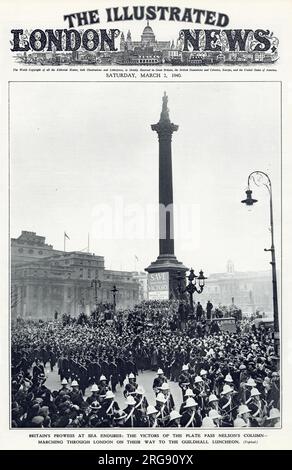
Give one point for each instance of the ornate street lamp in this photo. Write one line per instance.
(196, 284)
(114, 290)
(261, 178)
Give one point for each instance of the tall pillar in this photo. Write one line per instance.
(164, 272)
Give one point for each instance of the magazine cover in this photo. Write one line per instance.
(146, 230)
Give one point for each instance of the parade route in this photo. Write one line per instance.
(144, 379)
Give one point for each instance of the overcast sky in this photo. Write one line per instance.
(77, 148)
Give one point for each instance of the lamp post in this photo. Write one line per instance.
(261, 178)
(114, 290)
(196, 284)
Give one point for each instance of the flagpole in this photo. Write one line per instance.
(64, 241)
(88, 242)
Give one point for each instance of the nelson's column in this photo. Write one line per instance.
(164, 273)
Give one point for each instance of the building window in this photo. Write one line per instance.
(30, 251)
(20, 250)
(41, 252)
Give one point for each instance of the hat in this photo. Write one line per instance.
(239, 423)
(242, 367)
(274, 413)
(189, 392)
(109, 394)
(131, 375)
(190, 402)
(185, 367)
(160, 371)
(95, 405)
(161, 398)
(214, 414)
(74, 383)
(203, 372)
(243, 409)
(64, 382)
(140, 390)
(251, 382)
(208, 423)
(213, 397)
(151, 410)
(174, 415)
(102, 377)
(37, 420)
(164, 386)
(254, 392)
(226, 389)
(94, 388)
(228, 378)
(130, 400)
(198, 379)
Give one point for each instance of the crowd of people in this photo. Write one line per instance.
(227, 379)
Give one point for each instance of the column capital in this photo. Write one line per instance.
(164, 129)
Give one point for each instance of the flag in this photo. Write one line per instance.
(136, 258)
(66, 236)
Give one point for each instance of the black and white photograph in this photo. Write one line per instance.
(145, 254)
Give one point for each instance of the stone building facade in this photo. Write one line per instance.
(250, 291)
(45, 281)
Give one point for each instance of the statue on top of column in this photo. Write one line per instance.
(165, 111)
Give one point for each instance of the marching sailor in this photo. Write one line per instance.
(131, 386)
(141, 400)
(243, 417)
(184, 378)
(216, 417)
(159, 380)
(169, 404)
(273, 420)
(190, 417)
(163, 415)
(174, 419)
(188, 393)
(94, 394)
(131, 413)
(152, 413)
(227, 405)
(257, 408)
(109, 409)
(103, 385)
